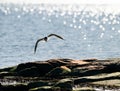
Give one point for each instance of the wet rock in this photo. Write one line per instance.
(38, 84)
(44, 88)
(59, 71)
(65, 84)
(29, 72)
(112, 67)
(2, 74)
(84, 89)
(86, 71)
(1, 87)
(17, 87)
(41, 67)
(6, 69)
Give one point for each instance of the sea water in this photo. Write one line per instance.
(89, 31)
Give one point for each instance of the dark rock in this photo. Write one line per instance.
(6, 69)
(2, 74)
(44, 88)
(65, 84)
(92, 68)
(41, 67)
(29, 72)
(18, 87)
(38, 84)
(1, 87)
(112, 67)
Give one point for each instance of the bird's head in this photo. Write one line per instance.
(45, 39)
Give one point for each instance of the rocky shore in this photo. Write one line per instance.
(62, 75)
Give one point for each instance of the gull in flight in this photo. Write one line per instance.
(46, 39)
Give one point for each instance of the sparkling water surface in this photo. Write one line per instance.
(89, 31)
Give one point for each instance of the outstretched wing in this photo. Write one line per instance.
(55, 36)
(36, 44)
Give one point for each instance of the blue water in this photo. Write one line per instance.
(88, 32)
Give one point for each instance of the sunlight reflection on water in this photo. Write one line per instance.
(90, 32)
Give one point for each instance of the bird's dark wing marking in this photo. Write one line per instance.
(36, 44)
(56, 36)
